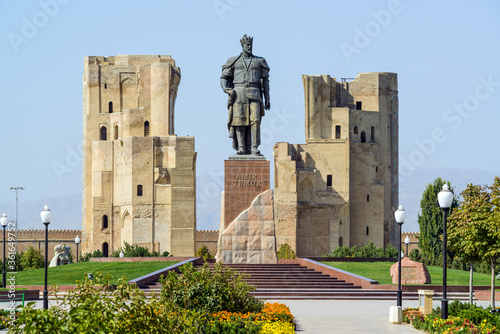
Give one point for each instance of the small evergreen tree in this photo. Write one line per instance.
(204, 253)
(286, 252)
(32, 259)
(430, 220)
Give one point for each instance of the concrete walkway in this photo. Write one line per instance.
(349, 316)
(342, 316)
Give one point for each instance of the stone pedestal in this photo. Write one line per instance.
(411, 272)
(243, 181)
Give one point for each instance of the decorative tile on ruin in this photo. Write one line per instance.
(226, 243)
(226, 256)
(255, 228)
(254, 243)
(240, 243)
(268, 243)
(269, 257)
(268, 213)
(241, 227)
(255, 213)
(254, 257)
(229, 230)
(239, 257)
(268, 229)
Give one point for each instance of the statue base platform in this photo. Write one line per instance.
(246, 157)
(243, 180)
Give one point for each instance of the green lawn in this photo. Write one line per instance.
(380, 271)
(68, 274)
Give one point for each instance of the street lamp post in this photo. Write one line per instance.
(407, 242)
(445, 199)
(17, 205)
(77, 241)
(400, 216)
(4, 222)
(46, 216)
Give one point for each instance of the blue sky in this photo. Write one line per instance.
(445, 54)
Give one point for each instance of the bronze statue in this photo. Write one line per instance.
(245, 78)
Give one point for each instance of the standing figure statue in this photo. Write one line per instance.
(245, 78)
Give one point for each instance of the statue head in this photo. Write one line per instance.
(246, 43)
(58, 249)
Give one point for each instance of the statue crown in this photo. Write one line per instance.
(246, 39)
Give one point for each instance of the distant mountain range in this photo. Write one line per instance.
(66, 213)
(67, 210)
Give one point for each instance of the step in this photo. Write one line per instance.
(293, 281)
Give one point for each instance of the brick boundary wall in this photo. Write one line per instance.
(36, 239)
(436, 288)
(351, 259)
(139, 259)
(208, 238)
(366, 283)
(486, 294)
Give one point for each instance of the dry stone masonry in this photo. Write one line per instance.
(250, 238)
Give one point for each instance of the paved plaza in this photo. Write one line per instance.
(342, 316)
(349, 316)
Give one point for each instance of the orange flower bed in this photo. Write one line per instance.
(270, 312)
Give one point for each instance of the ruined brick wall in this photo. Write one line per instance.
(138, 176)
(36, 239)
(413, 241)
(340, 188)
(207, 238)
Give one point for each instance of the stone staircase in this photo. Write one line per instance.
(293, 281)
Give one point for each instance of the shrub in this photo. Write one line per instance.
(286, 252)
(32, 259)
(415, 255)
(204, 253)
(368, 250)
(86, 257)
(98, 307)
(135, 250)
(206, 290)
(462, 318)
(128, 251)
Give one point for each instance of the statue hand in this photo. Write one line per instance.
(267, 105)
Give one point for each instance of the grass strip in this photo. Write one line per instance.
(380, 271)
(69, 274)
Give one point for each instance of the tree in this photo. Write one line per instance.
(32, 259)
(430, 220)
(474, 229)
(204, 253)
(462, 232)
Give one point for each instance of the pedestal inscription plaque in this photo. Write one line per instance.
(243, 181)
